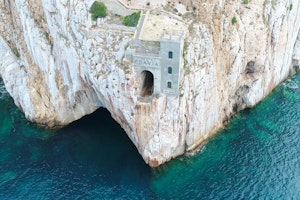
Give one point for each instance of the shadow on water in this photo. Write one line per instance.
(91, 158)
(255, 157)
(98, 147)
(99, 140)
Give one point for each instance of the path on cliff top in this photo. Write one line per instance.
(118, 8)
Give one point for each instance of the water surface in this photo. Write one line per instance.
(256, 157)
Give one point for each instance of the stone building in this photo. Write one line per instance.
(157, 54)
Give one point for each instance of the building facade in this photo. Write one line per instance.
(157, 53)
(171, 50)
(157, 64)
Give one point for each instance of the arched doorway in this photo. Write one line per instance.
(147, 81)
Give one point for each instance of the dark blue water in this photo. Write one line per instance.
(256, 157)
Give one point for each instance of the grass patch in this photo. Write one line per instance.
(98, 9)
(234, 20)
(16, 52)
(245, 1)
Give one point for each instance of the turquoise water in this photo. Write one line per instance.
(256, 157)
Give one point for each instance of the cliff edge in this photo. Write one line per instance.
(59, 65)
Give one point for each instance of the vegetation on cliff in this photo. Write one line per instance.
(98, 9)
(131, 20)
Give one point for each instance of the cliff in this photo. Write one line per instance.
(58, 66)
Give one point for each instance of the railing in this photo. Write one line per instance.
(143, 49)
(148, 51)
(172, 35)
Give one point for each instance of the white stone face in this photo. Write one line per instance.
(68, 66)
(296, 54)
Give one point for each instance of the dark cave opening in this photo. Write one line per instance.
(147, 80)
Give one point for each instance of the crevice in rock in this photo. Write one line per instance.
(250, 67)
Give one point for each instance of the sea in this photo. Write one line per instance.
(257, 156)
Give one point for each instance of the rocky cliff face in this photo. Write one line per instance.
(59, 66)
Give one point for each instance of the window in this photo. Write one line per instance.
(169, 70)
(169, 84)
(170, 54)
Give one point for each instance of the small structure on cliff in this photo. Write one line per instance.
(156, 52)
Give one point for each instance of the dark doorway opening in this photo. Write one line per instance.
(169, 85)
(147, 81)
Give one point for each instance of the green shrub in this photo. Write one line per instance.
(132, 20)
(245, 1)
(291, 6)
(98, 9)
(234, 20)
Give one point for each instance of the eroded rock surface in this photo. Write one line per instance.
(58, 66)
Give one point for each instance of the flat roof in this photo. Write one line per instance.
(155, 24)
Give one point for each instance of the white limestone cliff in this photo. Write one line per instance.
(59, 66)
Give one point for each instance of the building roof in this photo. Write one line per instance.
(156, 24)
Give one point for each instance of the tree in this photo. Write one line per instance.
(98, 9)
(132, 20)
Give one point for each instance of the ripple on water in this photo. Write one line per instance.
(257, 156)
(291, 84)
(7, 177)
(3, 93)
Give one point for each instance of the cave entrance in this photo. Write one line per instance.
(147, 80)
